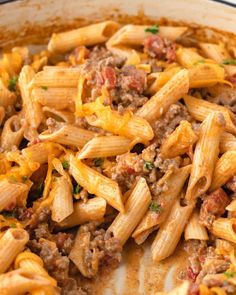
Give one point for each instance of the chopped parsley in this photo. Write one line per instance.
(98, 162)
(65, 165)
(13, 178)
(40, 189)
(230, 274)
(153, 29)
(148, 165)
(44, 87)
(13, 225)
(200, 61)
(77, 189)
(229, 62)
(24, 178)
(12, 83)
(154, 207)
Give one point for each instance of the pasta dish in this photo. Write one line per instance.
(114, 133)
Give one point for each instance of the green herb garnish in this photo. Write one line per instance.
(44, 87)
(230, 274)
(98, 162)
(77, 189)
(200, 61)
(12, 83)
(13, 178)
(229, 62)
(153, 29)
(65, 165)
(148, 165)
(13, 225)
(40, 189)
(154, 207)
(25, 178)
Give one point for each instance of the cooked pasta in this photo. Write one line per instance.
(115, 134)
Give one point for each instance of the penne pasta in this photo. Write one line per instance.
(170, 93)
(105, 146)
(12, 133)
(89, 35)
(12, 243)
(61, 193)
(179, 142)
(93, 210)
(59, 115)
(33, 112)
(6, 96)
(225, 169)
(217, 52)
(232, 206)
(188, 57)
(96, 183)
(227, 142)
(224, 228)
(199, 109)
(67, 134)
(174, 182)
(194, 230)
(135, 208)
(57, 98)
(170, 231)
(205, 155)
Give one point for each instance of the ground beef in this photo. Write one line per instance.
(72, 288)
(171, 119)
(160, 48)
(213, 206)
(131, 78)
(231, 184)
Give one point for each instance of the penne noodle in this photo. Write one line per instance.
(56, 77)
(59, 115)
(199, 109)
(6, 96)
(179, 142)
(170, 231)
(135, 208)
(174, 182)
(105, 146)
(12, 133)
(57, 98)
(93, 210)
(96, 183)
(32, 108)
(89, 35)
(188, 57)
(224, 228)
(227, 142)
(19, 282)
(2, 114)
(170, 93)
(194, 230)
(40, 152)
(225, 169)
(232, 206)
(214, 51)
(12, 243)
(62, 204)
(68, 135)
(205, 155)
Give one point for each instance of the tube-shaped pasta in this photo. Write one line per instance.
(68, 134)
(105, 146)
(224, 228)
(6, 96)
(12, 133)
(59, 115)
(93, 210)
(2, 114)
(188, 57)
(39, 152)
(232, 206)
(89, 35)
(33, 112)
(96, 183)
(10, 191)
(135, 208)
(182, 289)
(225, 169)
(217, 52)
(19, 282)
(58, 98)
(179, 142)
(170, 232)
(205, 155)
(32, 263)
(56, 77)
(194, 230)
(174, 183)
(12, 243)
(170, 93)
(200, 109)
(62, 205)
(227, 142)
